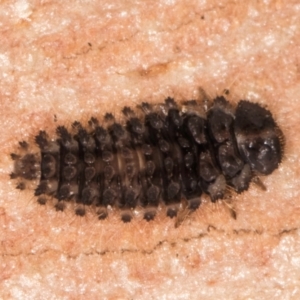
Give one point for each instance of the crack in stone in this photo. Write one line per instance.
(210, 228)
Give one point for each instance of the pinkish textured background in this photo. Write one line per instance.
(84, 58)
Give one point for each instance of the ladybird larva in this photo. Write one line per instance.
(158, 154)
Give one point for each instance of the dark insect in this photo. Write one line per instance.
(159, 154)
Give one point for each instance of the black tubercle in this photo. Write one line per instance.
(162, 153)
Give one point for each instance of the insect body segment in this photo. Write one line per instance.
(159, 154)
